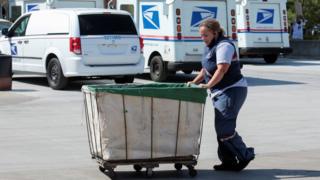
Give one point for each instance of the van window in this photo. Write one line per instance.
(102, 24)
(20, 28)
(48, 24)
(128, 7)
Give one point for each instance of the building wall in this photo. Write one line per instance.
(305, 48)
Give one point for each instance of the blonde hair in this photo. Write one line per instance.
(213, 25)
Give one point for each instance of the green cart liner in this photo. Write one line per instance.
(176, 91)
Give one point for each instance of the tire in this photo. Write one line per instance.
(124, 79)
(178, 166)
(187, 71)
(241, 64)
(192, 171)
(158, 69)
(102, 169)
(55, 76)
(271, 58)
(137, 167)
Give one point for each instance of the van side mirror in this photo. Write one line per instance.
(4, 31)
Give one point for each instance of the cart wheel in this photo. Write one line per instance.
(102, 169)
(111, 172)
(149, 172)
(178, 166)
(192, 171)
(137, 167)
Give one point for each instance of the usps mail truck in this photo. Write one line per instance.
(263, 28)
(19, 7)
(170, 31)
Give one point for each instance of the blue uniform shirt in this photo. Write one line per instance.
(209, 63)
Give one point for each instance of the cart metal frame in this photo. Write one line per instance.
(189, 161)
(109, 165)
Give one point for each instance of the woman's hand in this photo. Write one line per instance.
(203, 86)
(190, 83)
(199, 78)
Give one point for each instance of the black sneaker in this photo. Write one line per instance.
(243, 164)
(225, 167)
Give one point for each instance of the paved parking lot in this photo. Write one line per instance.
(43, 132)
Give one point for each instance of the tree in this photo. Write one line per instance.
(311, 11)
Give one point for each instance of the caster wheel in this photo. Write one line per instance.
(149, 172)
(178, 166)
(192, 172)
(187, 71)
(111, 174)
(137, 167)
(102, 169)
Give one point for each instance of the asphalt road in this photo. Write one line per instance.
(43, 132)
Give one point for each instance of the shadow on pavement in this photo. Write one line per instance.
(41, 81)
(75, 85)
(268, 82)
(183, 78)
(250, 174)
(281, 62)
(23, 90)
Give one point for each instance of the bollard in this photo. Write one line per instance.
(5, 72)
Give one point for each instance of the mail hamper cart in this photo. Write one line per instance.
(144, 125)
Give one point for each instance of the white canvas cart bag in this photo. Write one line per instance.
(144, 122)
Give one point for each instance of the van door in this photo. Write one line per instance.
(34, 43)
(16, 40)
(109, 39)
(195, 12)
(43, 33)
(265, 22)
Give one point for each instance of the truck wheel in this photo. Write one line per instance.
(270, 58)
(158, 69)
(55, 76)
(124, 79)
(137, 167)
(178, 166)
(187, 71)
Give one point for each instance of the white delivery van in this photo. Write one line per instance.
(263, 28)
(170, 31)
(19, 7)
(65, 43)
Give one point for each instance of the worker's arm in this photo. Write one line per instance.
(198, 79)
(217, 76)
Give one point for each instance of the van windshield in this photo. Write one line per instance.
(105, 24)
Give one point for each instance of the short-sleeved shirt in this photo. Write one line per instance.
(225, 54)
